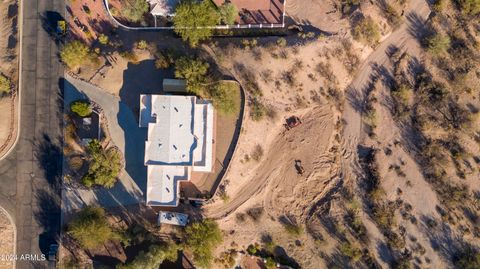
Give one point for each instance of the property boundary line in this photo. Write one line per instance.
(219, 27)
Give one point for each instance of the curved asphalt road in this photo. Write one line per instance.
(29, 175)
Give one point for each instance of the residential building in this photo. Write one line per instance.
(180, 140)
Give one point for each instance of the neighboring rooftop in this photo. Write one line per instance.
(258, 11)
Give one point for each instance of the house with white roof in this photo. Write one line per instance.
(180, 140)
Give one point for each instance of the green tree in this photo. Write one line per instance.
(5, 84)
(90, 228)
(104, 166)
(366, 31)
(75, 54)
(201, 239)
(223, 95)
(82, 108)
(193, 71)
(228, 13)
(103, 39)
(438, 44)
(153, 258)
(193, 21)
(134, 10)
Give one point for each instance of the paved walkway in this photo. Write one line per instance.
(126, 135)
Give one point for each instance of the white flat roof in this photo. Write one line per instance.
(172, 218)
(163, 183)
(163, 7)
(170, 137)
(203, 131)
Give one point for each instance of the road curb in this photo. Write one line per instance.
(19, 95)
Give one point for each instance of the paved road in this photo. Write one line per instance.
(28, 189)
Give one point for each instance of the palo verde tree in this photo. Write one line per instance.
(153, 258)
(134, 10)
(75, 54)
(81, 108)
(91, 229)
(201, 238)
(194, 20)
(193, 71)
(104, 167)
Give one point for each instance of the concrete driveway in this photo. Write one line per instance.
(126, 135)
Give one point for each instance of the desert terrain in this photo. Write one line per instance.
(382, 172)
(9, 68)
(6, 240)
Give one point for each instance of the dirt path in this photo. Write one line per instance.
(400, 38)
(277, 175)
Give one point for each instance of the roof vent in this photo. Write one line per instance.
(175, 109)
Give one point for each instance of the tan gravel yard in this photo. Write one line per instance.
(6, 240)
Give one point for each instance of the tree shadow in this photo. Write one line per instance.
(49, 21)
(48, 217)
(418, 28)
(49, 155)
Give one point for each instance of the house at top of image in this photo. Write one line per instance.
(180, 141)
(260, 13)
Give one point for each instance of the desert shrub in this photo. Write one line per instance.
(468, 258)
(347, 6)
(227, 258)
(470, 7)
(282, 42)
(5, 84)
(103, 39)
(153, 258)
(439, 5)
(75, 54)
(252, 250)
(351, 251)
(90, 228)
(257, 110)
(228, 13)
(257, 153)
(224, 95)
(142, 45)
(193, 71)
(134, 10)
(192, 19)
(383, 215)
(104, 166)
(81, 108)
(201, 238)
(255, 213)
(366, 31)
(292, 229)
(438, 44)
(392, 16)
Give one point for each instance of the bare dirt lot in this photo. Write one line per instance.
(8, 67)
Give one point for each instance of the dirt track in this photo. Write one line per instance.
(277, 177)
